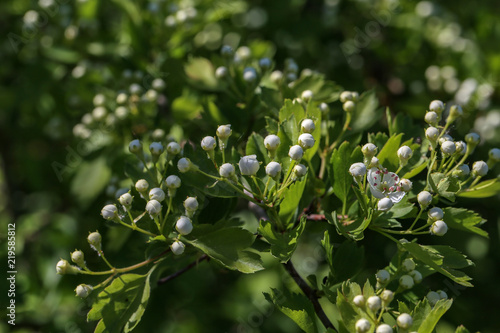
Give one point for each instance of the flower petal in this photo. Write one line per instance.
(396, 196)
(376, 193)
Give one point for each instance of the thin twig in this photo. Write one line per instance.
(182, 271)
(310, 293)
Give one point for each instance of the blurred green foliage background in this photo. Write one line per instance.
(56, 55)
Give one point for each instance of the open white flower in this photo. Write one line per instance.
(384, 184)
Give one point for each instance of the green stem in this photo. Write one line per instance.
(166, 215)
(101, 253)
(136, 228)
(266, 187)
(344, 129)
(416, 219)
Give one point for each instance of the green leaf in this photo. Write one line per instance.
(120, 306)
(430, 321)
(201, 72)
(402, 209)
(378, 139)
(420, 313)
(444, 259)
(445, 186)
(366, 114)
(90, 179)
(226, 244)
(283, 244)
(291, 200)
(255, 146)
(186, 107)
(388, 156)
(296, 306)
(352, 229)
(461, 329)
(416, 170)
(463, 219)
(272, 126)
(485, 189)
(341, 160)
(347, 261)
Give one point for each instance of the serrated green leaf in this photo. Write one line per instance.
(485, 189)
(341, 160)
(255, 146)
(445, 186)
(90, 179)
(347, 261)
(420, 312)
(272, 126)
(283, 244)
(444, 259)
(226, 244)
(366, 113)
(120, 306)
(186, 108)
(416, 170)
(432, 318)
(388, 156)
(296, 306)
(291, 200)
(463, 219)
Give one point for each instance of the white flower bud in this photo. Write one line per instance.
(184, 165)
(156, 148)
(442, 294)
(244, 53)
(273, 169)
(448, 147)
(265, 63)
(173, 182)
(383, 276)
(226, 51)
(387, 296)
(226, 170)
(173, 148)
(126, 199)
(83, 290)
(99, 113)
(384, 328)
(184, 225)
(439, 228)
(307, 125)
(416, 276)
(151, 95)
(99, 100)
(307, 95)
(345, 96)
(460, 147)
(64, 267)
(436, 106)
(121, 112)
(357, 170)
(78, 258)
(405, 153)
(141, 185)
(109, 212)
(208, 143)
(404, 321)
(406, 184)
(221, 72)
(121, 98)
(455, 112)
(374, 163)
(445, 138)
(424, 198)
(384, 204)
(494, 155)
(191, 205)
(223, 133)
(435, 214)
(406, 282)
(349, 106)
(296, 152)
(94, 240)
(156, 194)
(462, 170)
(472, 139)
(324, 108)
(135, 147)
(408, 265)
(249, 74)
(158, 134)
(300, 170)
(432, 133)
(249, 165)
(374, 303)
(479, 168)
(272, 142)
(135, 89)
(306, 141)
(433, 297)
(363, 326)
(359, 301)
(153, 207)
(158, 84)
(276, 76)
(431, 118)
(354, 96)
(177, 247)
(369, 150)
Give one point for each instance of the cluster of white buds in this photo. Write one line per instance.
(349, 100)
